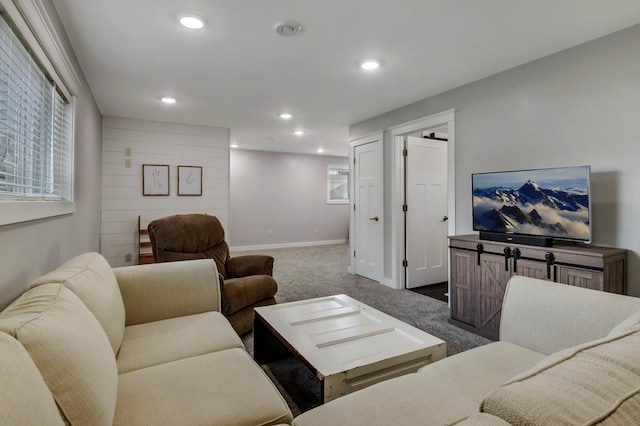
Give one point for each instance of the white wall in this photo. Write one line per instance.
(284, 193)
(154, 142)
(579, 106)
(31, 249)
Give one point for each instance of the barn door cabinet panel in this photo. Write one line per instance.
(462, 279)
(480, 271)
(491, 279)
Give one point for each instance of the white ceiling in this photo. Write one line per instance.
(238, 73)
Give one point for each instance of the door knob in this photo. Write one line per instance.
(374, 218)
(445, 218)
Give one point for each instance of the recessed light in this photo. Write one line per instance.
(168, 100)
(320, 150)
(285, 116)
(370, 65)
(298, 133)
(234, 145)
(192, 22)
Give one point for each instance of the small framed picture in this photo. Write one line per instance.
(155, 180)
(190, 180)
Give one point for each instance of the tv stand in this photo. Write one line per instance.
(480, 270)
(530, 240)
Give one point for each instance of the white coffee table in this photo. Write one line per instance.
(346, 344)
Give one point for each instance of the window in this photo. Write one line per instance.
(36, 116)
(337, 185)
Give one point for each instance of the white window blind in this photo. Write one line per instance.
(35, 148)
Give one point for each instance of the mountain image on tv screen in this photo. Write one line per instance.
(548, 202)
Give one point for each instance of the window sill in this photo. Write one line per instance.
(23, 211)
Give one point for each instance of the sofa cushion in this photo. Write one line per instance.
(90, 277)
(23, 388)
(239, 293)
(70, 349)
(168, 340)
(406, 400)
(222, 388)
(479, 371)
(594, 383)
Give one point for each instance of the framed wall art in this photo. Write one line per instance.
(155, 180)
(190, 180)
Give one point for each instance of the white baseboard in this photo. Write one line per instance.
(389, 283)
(288, 245)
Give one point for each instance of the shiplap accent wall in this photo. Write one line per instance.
(154, 142)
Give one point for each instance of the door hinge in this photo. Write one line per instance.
(354, 207)
(354, 160)
(405, 207)
(405, 152)
(354, 253)
(405, 263)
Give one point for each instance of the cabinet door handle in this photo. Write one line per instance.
(550, 258)
(480, 249)
(516, 256)
(374, 218)
(507, 255)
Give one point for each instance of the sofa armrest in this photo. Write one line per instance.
(253, 264)
(547, 317)
(167, 290)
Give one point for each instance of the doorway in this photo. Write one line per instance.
(426, 248)
(398, 240)
(366, 236)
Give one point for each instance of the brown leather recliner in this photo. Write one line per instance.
(246, 281)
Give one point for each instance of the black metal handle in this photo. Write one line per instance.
(550, 258)
(507, 255)
(480, 249)
(516, 256)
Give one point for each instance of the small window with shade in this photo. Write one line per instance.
(337, 184)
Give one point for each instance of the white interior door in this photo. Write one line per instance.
(368, 210)
(426, 217)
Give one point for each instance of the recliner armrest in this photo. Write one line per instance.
(167, 290)
(252, 264)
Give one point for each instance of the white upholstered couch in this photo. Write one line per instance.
(139, 345)
(566, 356)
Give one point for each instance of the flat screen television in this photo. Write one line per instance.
(551, 203)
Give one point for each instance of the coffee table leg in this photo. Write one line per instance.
(333, 387)
(267, 347)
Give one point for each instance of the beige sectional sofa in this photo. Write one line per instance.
(92, 345)
(566, 356)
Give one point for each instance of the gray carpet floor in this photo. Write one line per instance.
(317, 271)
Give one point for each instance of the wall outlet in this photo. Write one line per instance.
(127, 257)
(127, 152)
(127, 163)
(268, 232)
(316, 230)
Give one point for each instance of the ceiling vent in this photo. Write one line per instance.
(288, 28)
